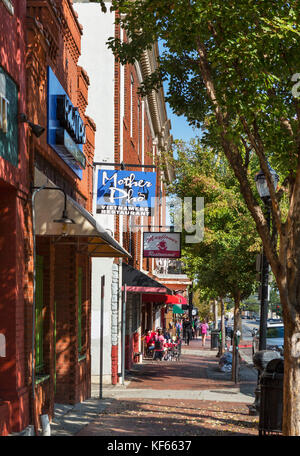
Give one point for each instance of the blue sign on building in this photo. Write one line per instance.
(66, 130)
(125, 192)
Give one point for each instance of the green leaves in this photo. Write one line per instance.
(252, 52)
(225, 261)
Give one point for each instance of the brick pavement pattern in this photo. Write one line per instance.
(173, 416)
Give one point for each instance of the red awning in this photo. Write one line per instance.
(133, 289)
(181, 299)
(164, 298)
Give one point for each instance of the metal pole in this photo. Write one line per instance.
(191, 305)
(264, 292)
(34, 193)
(123, 333)
(262, 345)
(237, 341)
(101, 338)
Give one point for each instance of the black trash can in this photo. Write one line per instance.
(214, 338)
(271, 400)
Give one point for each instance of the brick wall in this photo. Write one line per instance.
(13, 388)
(14, 187)
(57, 44)
(72, 366)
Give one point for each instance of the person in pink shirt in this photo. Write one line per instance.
(149, 340)
(204, 328)
(159, 345)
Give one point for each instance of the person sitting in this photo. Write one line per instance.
(159, 345)
(149, 340)
(167, 335)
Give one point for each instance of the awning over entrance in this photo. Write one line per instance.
(177, 309)
(138, 282)
(165, 298)
(91, 236)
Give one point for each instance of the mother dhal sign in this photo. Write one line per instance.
(125, 192)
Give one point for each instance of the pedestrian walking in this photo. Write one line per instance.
(204, 328)
(196, 327)
(193, 328)
(187, 331)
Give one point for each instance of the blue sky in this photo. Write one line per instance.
(180, 127)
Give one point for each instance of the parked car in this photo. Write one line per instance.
(273, 321)
(275, 338)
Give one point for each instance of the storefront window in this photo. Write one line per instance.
(8, 118)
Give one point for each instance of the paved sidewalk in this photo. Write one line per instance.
(189, 397)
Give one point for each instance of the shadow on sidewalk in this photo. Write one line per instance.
(148, 417)
(197, 369)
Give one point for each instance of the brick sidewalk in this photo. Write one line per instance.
(162, 399)
(153, 417)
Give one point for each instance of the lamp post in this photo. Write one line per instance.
(191, 304)
(264, 193)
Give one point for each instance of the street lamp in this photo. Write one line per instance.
(262, 186)
(264, 193)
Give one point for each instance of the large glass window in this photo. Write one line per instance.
(8, 118)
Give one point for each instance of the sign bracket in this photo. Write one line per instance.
(123, 165)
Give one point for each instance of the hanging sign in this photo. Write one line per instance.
(125, 192)
(162, 245)
(66, 130)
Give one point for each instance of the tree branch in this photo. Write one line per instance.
(258, 146)
(234, 158)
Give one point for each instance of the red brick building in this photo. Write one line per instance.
(14, 191)
(50, 235)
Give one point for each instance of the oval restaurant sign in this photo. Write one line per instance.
(125, 192)
(162, 245)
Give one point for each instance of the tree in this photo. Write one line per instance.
(203, 304)
(223, 264)
(233, 68)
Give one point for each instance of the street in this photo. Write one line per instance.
(191, 397)
(247, 328)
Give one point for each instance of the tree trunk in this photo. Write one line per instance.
(222, 348)
(286, 268)
(216, 314)
(291, 385)
(291, 388)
